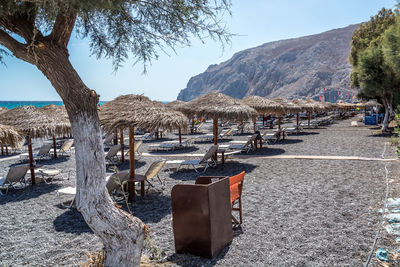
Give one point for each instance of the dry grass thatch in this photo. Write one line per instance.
(3, 109)
(35, 122)
(140, 111)
(176, 104)
(59, 111)
(289, 106)
(10, 136)
(369, 104)
(263, 105)
(219, 105)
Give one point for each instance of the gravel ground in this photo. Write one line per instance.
(296, 212)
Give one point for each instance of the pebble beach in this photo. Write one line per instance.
(296, 211)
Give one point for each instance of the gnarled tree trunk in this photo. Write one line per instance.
(121, 233)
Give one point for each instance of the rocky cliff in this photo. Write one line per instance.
(299, 67)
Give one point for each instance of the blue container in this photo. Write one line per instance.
(371, 120)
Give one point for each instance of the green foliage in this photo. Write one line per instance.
(117, 29)
(368, 34)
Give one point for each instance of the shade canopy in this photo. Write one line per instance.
(369, 104)
(139, 111)
(59, 111)
(217, 105)
(10, 136)
(175, 105)
(35, 122)
(263, 105)
(289, 106)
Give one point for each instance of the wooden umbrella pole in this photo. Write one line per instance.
(192, 130)
(255, 129)
(309, 118)
(54, 146)
(215, 127)
(279, 126)
(6, 149)
(2, 149)
(131, 184)
(31, 166)
(180, 135)
(115, 137)
(297, 118)
(121, 141)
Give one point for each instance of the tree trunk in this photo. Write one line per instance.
(121, 233)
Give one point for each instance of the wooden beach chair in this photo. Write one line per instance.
(207, 160)
(15, 176)
(236, 187)
(116, 184)
(172, 145)
(198, 127)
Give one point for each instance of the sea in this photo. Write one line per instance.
(39, 104)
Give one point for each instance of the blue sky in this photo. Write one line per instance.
(254, 21)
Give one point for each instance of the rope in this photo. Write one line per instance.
(383, 211)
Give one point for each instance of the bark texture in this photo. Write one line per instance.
(121, 233)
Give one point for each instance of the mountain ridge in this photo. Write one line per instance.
(296, 67)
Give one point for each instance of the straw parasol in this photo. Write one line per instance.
(130, 111)
(288, 107)
(218, 106)
(60, 113)
(35, 123)
(263, 105)
(10, 136)
(175, 105)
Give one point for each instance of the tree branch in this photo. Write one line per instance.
(63, 27)
(19, 50)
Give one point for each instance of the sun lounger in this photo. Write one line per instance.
(197, 128)
(48, 175)
(242, 145)
(172, 145)
(112, 154)
(44, 152)
(152, 171)
(229, 132)
(136, 147)
(206, 160)
(65, 148)
(15, 175)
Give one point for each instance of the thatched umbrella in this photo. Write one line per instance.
(218, 106)
(60, 113)
(288, 107)
(130, 111)
(10, 136)
(263, 105)
(35, 123)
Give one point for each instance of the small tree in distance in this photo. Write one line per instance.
(38, 32)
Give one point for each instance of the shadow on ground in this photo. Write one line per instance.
(192, 260)
(29, 192)
(176, 151)
(71, 221)
(230, 168)
(152, 207)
